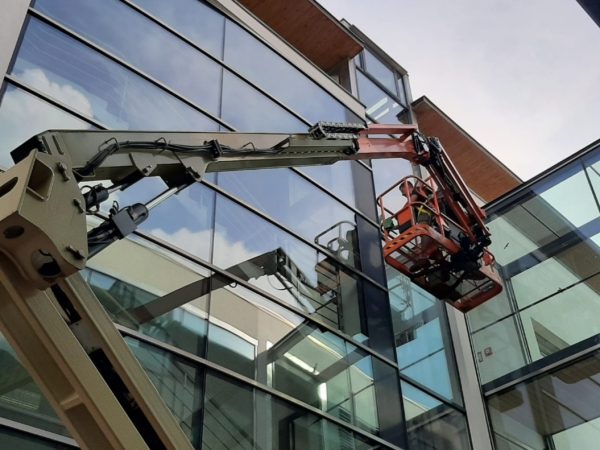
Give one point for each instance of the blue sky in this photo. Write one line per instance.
(522, 77)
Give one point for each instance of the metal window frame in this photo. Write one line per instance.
(228, 373)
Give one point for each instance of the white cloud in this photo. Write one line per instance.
(63, 92)
(22, 115)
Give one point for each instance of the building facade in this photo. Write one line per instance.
(335, 352)
(536, 346)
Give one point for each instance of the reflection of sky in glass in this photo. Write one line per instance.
(267, 69)
(380, 106)
(97, 87)
(573, 199)
(131, 36)
(296, 203)
(200, 23)
(336, 177)
(380, 71)
(23, 115)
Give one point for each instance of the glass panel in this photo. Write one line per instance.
(238, 417)
(98, 87)
(20, 398)
(432, 425)
(562, 406)
(22, 115)
(510, 242)
(563, 320)
(387, 173)
(556, 274)
(489, 312)
(586, 435)
(299, 205)
(498, 350)
(380, 71)
(287, 268)
(246, 109)
(549, 215)
(131, 293)
(380, 106)
(560, 199)
(336, 178)
(593, 172)
(194, 19)
(261, 340)
(178, 382)
(185, 220)
(421, 342)
(19, 440)
(127, 34)
(267, 69)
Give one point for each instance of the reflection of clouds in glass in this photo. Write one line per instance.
(63, 92)
(199, 243)
(22, 115)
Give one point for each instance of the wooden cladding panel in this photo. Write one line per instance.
(485, 175)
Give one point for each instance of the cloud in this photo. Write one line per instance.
(23, 115)
(63, 92)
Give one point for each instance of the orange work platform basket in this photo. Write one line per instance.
(423, 242)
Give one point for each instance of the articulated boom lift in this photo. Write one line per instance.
(65, 338)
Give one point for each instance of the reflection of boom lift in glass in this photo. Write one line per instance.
(56, 325)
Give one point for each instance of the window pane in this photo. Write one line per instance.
(380, 71)
(593, 172)
(299, 205)
(129, 35)
(132, 295)
(562, 405)
(178, 382)
(380, 106)
(20, 398)
(22, 115)
(97, 87)
(336, 178)
(19, 440)
(422, 343)
(185, 220)
(498, 350)
(287, 268)
(197, 21)
(262, 340)
(431, 424)
(267, 69)
(563, 320)
(489, 312)
(560, 199)
(556, 274)
(246, 109)
(238, 417)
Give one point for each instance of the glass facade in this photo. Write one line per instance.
(296, 337)
(381, 89)
(546, 241)
(536, 345)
